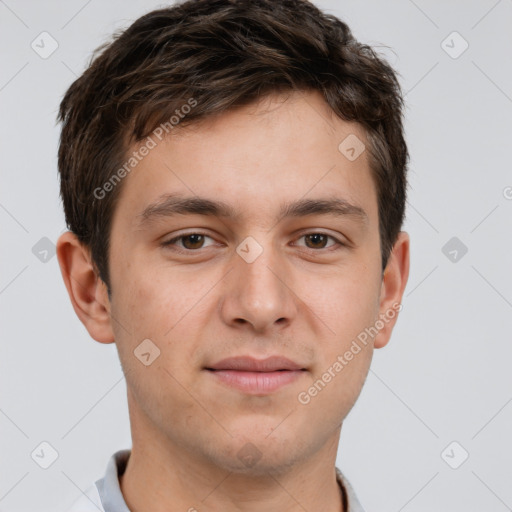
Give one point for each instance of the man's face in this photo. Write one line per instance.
(201, 300)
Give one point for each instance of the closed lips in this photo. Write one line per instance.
(250, 364)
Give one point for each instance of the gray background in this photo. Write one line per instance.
(444, 377)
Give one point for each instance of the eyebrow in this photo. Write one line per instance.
(170, 205)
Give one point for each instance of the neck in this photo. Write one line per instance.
(165, 476)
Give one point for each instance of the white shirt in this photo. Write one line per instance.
(105, 494)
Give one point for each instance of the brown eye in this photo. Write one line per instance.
(319, 242)
(194, 241)
(316, 240)
(188, 242)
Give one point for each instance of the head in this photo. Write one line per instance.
(234, 183)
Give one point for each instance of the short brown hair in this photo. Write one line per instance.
(223, 54)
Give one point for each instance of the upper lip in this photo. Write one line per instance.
(250, 364)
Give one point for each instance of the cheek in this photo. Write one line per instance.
(152, 297)
(161, 306)
(337, 380)
(146, 309)
(346, 304)
(348, 308)
(333, 391)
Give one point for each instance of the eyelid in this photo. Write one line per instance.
(339, 243)
(171, 243)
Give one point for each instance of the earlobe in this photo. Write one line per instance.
(86, 290)
(392, 289)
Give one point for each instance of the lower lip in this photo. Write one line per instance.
(256, 382)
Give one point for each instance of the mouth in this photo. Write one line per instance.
(256, 377)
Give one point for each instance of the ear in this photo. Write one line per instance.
(392, 289)
(88, 293)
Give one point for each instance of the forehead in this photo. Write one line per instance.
(277, 150)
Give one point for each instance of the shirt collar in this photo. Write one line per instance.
(113, 501)
(108, 486)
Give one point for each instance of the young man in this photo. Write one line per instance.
(233, 176)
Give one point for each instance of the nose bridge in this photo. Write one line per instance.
(258, 278)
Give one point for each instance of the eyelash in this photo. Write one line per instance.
(170, 244)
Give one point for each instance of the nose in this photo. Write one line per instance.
(259, 295)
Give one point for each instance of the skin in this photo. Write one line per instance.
(299, 298)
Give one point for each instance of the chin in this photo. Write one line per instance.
(257, 453)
